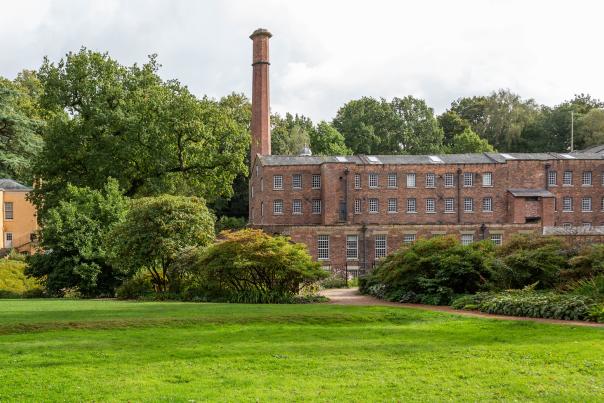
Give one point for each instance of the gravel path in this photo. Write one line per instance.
(351, 296)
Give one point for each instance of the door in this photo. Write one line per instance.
(8, 240)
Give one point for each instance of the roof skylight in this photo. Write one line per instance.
(435, 159)
(507, 156)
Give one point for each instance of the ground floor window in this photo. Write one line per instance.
(323, 247)
(467, 239)
(352, 247)
(380, 246)
(497, 239)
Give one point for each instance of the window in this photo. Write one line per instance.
(487, 204)
(316, 206)
(567, 203)
(323, 247)
(487, 179)
(357, 206)
(357, 181)
(468, 179)
(278, 206)
(430, 205)
(373, 205)
(567, 179)
(567, 226)
(297, 181)
(449, 180)
(467, 239)
(278, 182)
(8, 239)
(552, 178)
(257, 170)
(586, 204)
(449, 205)
(316, 181)
(380, 246)
(586, 225)
(352, 247)
(586, 178)
(297, 206)
(468, 205)
(411, 206)
(602, 204)
(261, 209)
(8, 210)
(410, 180)
(392, 205)
(430, 180)
(408, 238)
(497, 239)
(392, 180)
(373, 180)
(252, 191)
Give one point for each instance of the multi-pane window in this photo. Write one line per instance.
(567, 203)
(468, 179)
(392, 180)
(8, 210)
(552, 178)
(586, 204)
(297, 181)
(430, 205)
(567, 226)
(449, 205)
(352, 247)
(316, 206)
(487, 204)
(468, 204)
(449, 180)
(278, 182)
(373, 180)
(316, 181)
(323, 247)
(411, 206)
(408, 238)
(357, 206)
(411, 180)
(278, 206)
(602, 204)
(567, 179)
(487, 179)
(297, 206)
(392, 205)
(357, 181)
(430, 180)
(587, 225)
(381, 245)
(497, 239)
(467, 239)
(373, 205)
(602, 178)
(586, 178)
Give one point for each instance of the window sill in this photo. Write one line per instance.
(487, 211)
(277, 213)
(487, 186)
(373, 212)
(587, 211)
(468, 212)
(296, 213)
(411, 212)
(449, 212)
(430, 187)
(567, 186)
(567, 211)
(393, 212)
(430, 212)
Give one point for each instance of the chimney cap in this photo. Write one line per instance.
(260, 31)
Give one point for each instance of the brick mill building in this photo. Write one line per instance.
(352, 210)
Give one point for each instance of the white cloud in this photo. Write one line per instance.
(325, 53)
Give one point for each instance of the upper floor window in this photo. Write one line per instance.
(323, 247)
(552, 178)
(468, 204)
(262, 184)
(567, 179)
(602, 204)
(449, 205)
(380, 246)
(357, 181)
(468, 179)
(297, 206)
(430, 180)
(8, 210)
(449, 180)
(316, 181)
(297, 181)
(392, 205)
(373, 180)
(374, 205)
(357, 206)
(278, 182)
(278, 206)
(567, 203)
(586, 178)
(487, 179)
(392, 180)
(411, 180)
(352, 247)
(586, 204)
(316, 206)
(411, 206)
(430, 205)
(487, 204)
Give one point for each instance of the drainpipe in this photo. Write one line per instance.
(346, 171)
(459, 205)
(364, 232)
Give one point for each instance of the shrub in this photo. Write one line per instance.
(589, 262)
(14, 283)
(589, 287)
(250, 266)
(596, 313)
(431, 271)
(139, 286)
(334, 281)
(230, 223)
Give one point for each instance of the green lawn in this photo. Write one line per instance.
(54, 350)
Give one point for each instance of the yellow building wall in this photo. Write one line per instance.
(24, 222)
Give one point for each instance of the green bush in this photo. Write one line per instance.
(431, 271)
(14, 283)
(589, 287)
(333, 281)
(225, 223)
(137, 287)
(596, 313)
(589, 262)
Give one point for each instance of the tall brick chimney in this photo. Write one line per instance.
(261, 125)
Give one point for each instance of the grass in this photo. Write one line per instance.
(62, 350)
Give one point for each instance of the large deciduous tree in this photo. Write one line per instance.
(469, 142)
(327, 140)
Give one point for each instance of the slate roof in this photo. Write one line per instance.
(531, 192)
(11, 184)
(595, 149)
(481, 158)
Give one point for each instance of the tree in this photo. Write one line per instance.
(590, 129)
(452, 124)
(290, 134)
(71, 237)
(417, 130)
(153, 136)
(327, 140)
(155, 231)
(469, 142)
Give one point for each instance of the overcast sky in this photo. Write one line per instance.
(326, 52)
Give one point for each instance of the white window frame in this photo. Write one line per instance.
(277, 182)
(412, 205)
(487, 182)
(586, 178)
(316, 206)
(297, 206)
(316, 181)
(430, 180)
(297, 181)
(467, 239)
(352, 247)
(567, 178)
(450, 201)
(392, 180)
(586, 225)
(468, 202)
(552, 178)
(357, 181)
(358, 206)
(431, 205)
(409, 238)
(567, 204)
(380, 246)
(449, 180)
(9, 213)
(393, 205)
(373, 180)
(373, 205)
(586, 204)
(411, 180)
(278, 207)
(497, 239)
(8, 240)
(323, 247)
(487, 204)
(468, 179)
